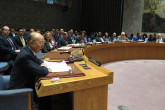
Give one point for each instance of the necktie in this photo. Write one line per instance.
(11, 43)
(23, 41)
(54, 42)
(72, 38)
(85, 39)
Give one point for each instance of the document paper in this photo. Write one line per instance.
(57, 66)
(64, 48)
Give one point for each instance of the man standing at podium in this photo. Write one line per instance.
(28, 67)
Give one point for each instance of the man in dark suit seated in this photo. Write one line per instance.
(82, 38)
(12, 32)
(99, 37)
(8, 46)
(27, 68)
(63, 40)
(20, 39)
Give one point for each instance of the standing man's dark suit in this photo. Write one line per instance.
(26, 69)
(7, 52)
(18, 41)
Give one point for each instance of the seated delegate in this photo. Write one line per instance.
(28, 67)
(48, 45)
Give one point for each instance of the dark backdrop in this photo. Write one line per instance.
(30, 14)
(102, 15)
(89, 15)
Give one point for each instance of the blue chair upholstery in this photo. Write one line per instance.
(16, 99)
(39, 55)
(3, 66)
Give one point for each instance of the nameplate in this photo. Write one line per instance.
(94, 61)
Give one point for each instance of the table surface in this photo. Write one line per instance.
(96, 76)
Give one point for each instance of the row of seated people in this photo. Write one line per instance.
(11, 44)
(124, 38)
(63, 38)
(27, 67)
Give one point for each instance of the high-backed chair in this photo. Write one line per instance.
(3, 66)
(39, 55)
(16, 99)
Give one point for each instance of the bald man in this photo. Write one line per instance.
(122, 38)
(28, 67)
(160, 39)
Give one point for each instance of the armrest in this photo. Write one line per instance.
(15, 92)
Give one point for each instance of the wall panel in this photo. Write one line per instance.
(102, 15)
(30, 14)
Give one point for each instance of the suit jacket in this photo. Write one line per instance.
(13, 34)
(6, 51)
(62, 42)
(26, 69)
(98, 39)
(120, 39)
(18, 41)
(81, 40)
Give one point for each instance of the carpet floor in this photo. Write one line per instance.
(138, 85)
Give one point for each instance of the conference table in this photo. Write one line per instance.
(90, 91)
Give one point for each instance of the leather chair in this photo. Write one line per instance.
(15, 99)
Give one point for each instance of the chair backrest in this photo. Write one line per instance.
(4, 82)
(1, 82)
(39, 55)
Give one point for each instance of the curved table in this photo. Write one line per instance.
(126, 51)
(90, 91)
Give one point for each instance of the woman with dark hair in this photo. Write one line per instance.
(106, 37)
(145, 37)
(48, 46)
(130, 37)
(152, 38)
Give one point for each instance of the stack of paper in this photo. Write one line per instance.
(57, 66)
(64, 48)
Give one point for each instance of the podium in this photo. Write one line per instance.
(89, 91)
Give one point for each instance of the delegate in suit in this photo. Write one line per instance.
(8, 46)
(20, 39)
(28, 67)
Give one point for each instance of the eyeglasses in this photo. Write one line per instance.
(40, 42)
